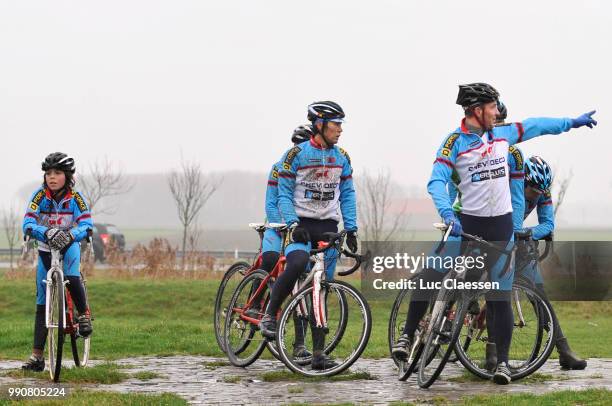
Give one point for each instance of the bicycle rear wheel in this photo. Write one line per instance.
(346, 344)
(81, 346)
(532, 335)
(397, 320)
(242, 343)
(230, 281)
(440, 336)
(55, 333)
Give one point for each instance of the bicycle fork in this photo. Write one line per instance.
(55, 267)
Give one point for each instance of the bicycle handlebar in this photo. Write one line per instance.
(359, 259)
(336, 240)
(333, 239)
(477, 239)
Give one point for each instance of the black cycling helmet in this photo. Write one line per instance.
(474, 94)
(326, 111)
(60, 161)
(302, 133)
(503, 111)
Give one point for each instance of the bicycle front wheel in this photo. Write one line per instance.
(230, 281)
(243, 345)
(80, 345)
(55, 333)
(345, 343)
(440, 336)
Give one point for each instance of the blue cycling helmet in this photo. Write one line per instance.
(538, 174)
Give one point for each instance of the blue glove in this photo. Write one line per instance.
(583, 120)
(455, 226)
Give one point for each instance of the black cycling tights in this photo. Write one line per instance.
(500, 318)
(40, 328)
(296, 264)
(269, 260)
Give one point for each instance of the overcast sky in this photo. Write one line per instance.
(226, 82)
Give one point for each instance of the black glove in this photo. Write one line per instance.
(299, 234)
(58, 239)
(50, 235)
(351, 241)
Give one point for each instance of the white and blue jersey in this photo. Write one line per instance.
(481, 165)
(70, 214)
(317, 183)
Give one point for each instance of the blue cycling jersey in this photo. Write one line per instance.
(273, 214)
(316, 182)
(481, 166)
(546, 216)
(43, 212)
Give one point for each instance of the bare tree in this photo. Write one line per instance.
(375, 196)
(563, 189)
(11, 224)
(103, 179)
(190, 190)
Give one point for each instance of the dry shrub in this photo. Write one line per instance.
(26, 266)
(157, 259)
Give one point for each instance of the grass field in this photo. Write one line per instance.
(166, 317)
(85, 398)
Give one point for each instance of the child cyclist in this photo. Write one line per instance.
(58, 218)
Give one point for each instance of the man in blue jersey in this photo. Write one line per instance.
(524, 199)
(271, 244)
(477, 152)
(315, 192)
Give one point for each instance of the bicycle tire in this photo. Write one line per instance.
(218, 320)
(437, 325)
(81, 346)
(354, 355)
(251, 330)
(55, 334)
(405, 367)
(541, 357)
(393, 328)
(338, 332)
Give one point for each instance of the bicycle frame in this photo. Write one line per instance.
(55, 267)
(317, 274)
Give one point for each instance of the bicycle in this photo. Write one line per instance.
(252, 296)
(242, 270)
(535, 325)
(61, 314)
(313, 302)
(449, 315)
